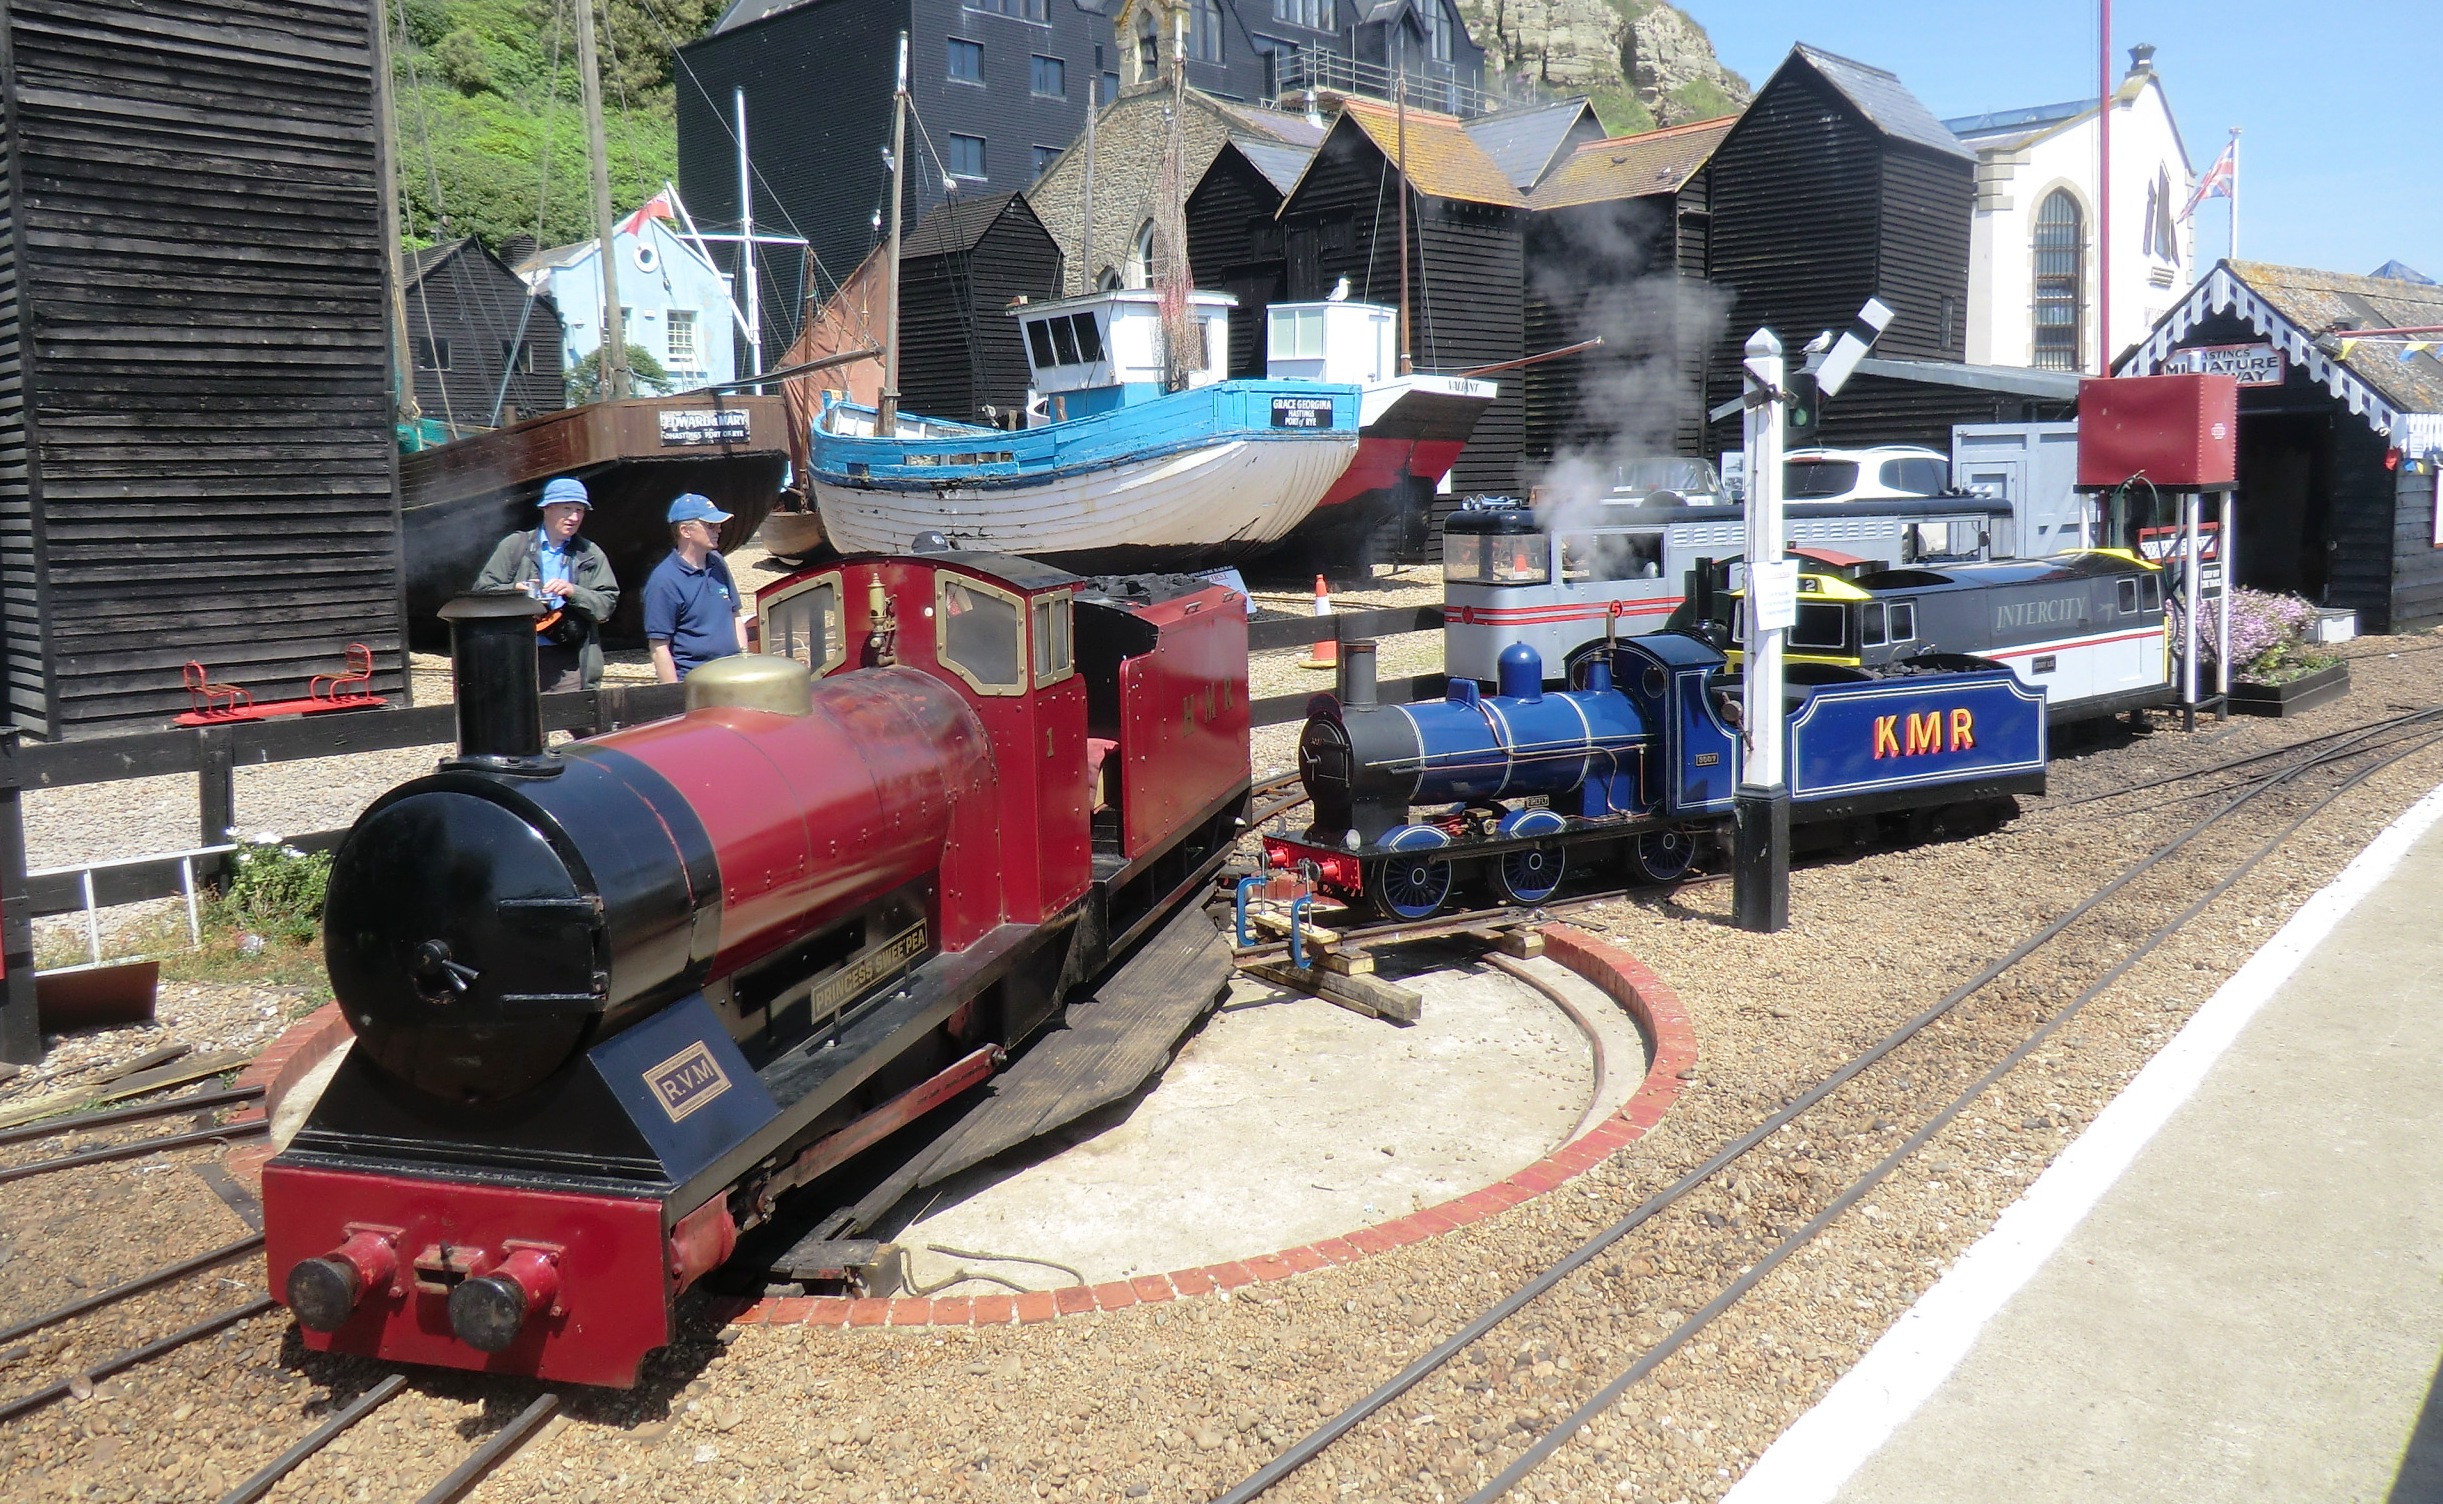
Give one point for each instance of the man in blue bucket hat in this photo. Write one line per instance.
(570, 575)
(691, 603)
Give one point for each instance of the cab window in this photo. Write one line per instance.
(1818, 626)
(1904, 621)
(1053, 660)
(1870, 626)
(1588, 558)
(976, 633)
(1499, 559)
(805, 624)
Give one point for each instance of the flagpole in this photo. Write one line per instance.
(2103, 189)
(2235, 193)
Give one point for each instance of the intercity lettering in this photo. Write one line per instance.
(2061, 609)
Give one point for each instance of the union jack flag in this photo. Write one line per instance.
(2220, 181)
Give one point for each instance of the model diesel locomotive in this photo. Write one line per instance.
(1506, 791)
(2087, 627)
(611, 1001)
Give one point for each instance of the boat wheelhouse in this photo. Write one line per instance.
(1127, 459)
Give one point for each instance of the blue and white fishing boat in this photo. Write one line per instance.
(1127, 460)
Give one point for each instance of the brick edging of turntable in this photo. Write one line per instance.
(286, 1061)
(1645, 997)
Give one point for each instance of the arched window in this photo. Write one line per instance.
(1149, 47)
(2061, 246)
(1205, 31)
(1140, 269)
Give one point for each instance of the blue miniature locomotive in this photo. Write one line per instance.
(1642, 761)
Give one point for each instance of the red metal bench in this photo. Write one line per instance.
(227, 704)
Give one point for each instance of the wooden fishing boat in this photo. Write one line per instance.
(634, 455)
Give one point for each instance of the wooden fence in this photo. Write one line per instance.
(214, 754)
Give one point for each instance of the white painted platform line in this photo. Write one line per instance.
(1900, 1373)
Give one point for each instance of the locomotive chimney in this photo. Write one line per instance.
(1357, 673)
(494, 680)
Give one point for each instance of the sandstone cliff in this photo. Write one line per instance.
(1644, 63)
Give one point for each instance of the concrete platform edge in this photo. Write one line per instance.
(1819, 1453)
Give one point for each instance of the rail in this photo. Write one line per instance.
(1300, 71)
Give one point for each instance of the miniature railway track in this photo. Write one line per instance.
(111, 1117)
(1750, 1270)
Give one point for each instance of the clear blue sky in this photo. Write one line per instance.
(2341, 160)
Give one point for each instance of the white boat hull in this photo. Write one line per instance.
(1223, 499)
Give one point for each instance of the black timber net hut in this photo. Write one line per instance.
(961, 267)
(197, 459)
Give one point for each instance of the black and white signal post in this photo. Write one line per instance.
(1760, 871)
(1760, 875)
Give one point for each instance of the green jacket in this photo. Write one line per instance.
(592, 597)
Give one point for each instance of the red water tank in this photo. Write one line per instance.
(2181, 432)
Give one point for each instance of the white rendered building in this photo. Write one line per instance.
(2034, 272)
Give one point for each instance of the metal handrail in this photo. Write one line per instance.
(1433, 86)
(93, 915)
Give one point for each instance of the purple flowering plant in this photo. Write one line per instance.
(2270, 641)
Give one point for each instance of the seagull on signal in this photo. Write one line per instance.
(1339, 292)
(1819, 344)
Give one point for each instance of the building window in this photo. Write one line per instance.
(966, 61)
(1315, 15)
(1435, 17)
(432, 353)
(1205, 32)
(1111, 88)
(1045, 156)
(967, 156)
(517, 359)
(1149, 48)
(2060, 281)
(1024, 10)
(1048, 77)
(682, 336)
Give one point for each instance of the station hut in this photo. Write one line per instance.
(197, 457)
(2340, 435)
(485, 348)
(1835, 186)
(1617, 249)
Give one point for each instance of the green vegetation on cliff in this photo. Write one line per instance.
(491, 134)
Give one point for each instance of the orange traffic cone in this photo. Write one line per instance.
(1326, 653)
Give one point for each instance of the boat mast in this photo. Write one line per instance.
(1085, 250)
(613, 361)
(746, 246)
(886, 410)
(1400, 95)
(402, 365)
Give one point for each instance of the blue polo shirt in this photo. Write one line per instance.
(694, 610)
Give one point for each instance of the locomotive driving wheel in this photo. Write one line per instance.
(1413, 881)
(1663, 856)
(1529, 875)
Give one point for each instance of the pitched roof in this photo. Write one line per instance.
(955, 228)
(1883, 99)
(1443, 160)
(1276, 125)
(415, 265)
(1632, 166)
(2394, 271)
(2303, 312)
(1524, 144)
(1279, 164)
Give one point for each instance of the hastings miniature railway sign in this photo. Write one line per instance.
(2254, 365)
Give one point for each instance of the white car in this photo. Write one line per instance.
(1874, 474)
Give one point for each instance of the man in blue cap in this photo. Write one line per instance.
(691, 603)
(571, 576)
